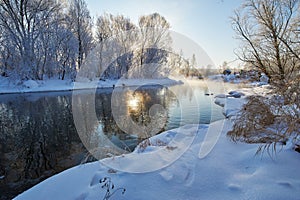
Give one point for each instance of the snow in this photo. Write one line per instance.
(230, 77)
(231, 102)
(51, 85)
(237, 79)
(264, 79)
(236, 94)
(192, 162)
(31, 84)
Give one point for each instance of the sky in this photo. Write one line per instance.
(206, 22)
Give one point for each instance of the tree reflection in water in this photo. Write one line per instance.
(38, 137)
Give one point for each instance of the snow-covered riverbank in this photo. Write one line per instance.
(8, 87)
(229, 171)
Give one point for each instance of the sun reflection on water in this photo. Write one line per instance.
(135, 101)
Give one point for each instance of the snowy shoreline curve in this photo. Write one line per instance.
(31, 86)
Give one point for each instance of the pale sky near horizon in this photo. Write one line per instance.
(207, 22)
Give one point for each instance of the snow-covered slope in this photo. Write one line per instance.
(230, 171)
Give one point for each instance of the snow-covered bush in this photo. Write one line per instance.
(252, 122)
(271, 120)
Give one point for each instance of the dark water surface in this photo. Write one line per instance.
(38, 137)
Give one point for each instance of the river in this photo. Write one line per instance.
(38, 136)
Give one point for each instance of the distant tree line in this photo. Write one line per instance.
(49, 39)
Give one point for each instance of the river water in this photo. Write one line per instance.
(38, 136)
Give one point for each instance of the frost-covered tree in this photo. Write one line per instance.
(24, 23)
(154, 33)
(80, 23)
(103, 32)
(123, 33)
(66, 52)
(119, 30)
(153, 44)
(132, 46)
(7, 52)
